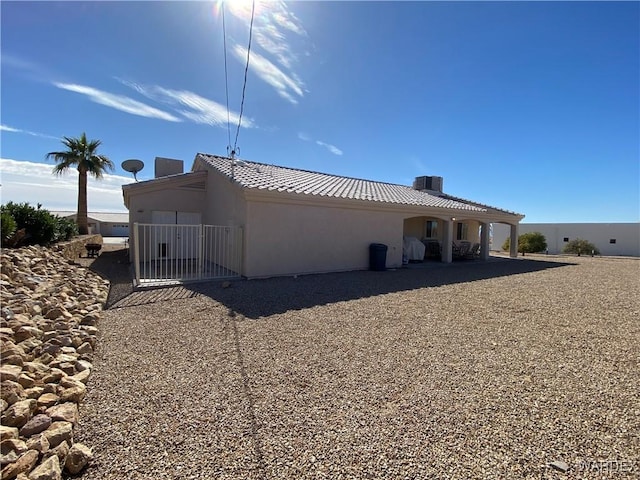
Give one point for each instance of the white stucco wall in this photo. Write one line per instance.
(142, 205)
(287, 239)
(626, 235)
(225, 203)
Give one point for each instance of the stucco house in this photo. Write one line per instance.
(294, 221)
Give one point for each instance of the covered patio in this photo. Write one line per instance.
(448, 238)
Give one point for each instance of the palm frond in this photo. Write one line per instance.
(81, 154)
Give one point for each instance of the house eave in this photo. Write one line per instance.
(195, 180)
(274, 196)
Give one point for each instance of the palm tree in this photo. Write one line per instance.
(82, 154)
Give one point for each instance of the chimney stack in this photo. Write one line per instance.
(168, 166)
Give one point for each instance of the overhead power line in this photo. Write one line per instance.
(246, 71)
(235, 149)
(226, 78)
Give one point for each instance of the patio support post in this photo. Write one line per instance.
(484, 241)
(513, 247)
(447, 251)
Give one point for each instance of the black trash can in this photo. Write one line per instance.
(378, 257)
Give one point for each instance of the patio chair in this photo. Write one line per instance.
(474, 251)
(460, 250)
(433, 249)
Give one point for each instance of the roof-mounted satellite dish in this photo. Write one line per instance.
(133, 166)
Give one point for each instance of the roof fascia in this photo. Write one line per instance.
(274, 196)
(163, 182)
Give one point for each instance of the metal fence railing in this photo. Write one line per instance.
(169, 254)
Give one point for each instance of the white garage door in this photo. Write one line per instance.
(119, 230)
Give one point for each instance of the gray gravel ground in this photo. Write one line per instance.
(465, 371)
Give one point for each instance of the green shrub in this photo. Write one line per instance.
(66, 229)
(580, 247)
(8, 225)
(40, 226)
(532, 242)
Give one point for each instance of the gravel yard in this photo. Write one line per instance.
(471, 370)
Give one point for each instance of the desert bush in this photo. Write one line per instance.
(8, 225)
(39, 225)
(67, 229)
(532, 242)
(580, 247)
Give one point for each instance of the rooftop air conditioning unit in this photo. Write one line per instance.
(428, 183)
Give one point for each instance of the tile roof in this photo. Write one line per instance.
(255, 175)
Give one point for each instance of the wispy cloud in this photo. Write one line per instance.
(332, 148)
(272, 41)
(119, 102)
(6, 128)
(24, 181)
(186, 105)
(26, 68)
(419, 165)
(287, 87)
(190, 105)
(286, 19)
(9, 60)
(274, 25)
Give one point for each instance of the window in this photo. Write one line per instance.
(612, 240)
(566, 239)
(462, 232)
(431, 229)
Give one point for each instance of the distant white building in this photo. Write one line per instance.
(107, 224)
(610, 238)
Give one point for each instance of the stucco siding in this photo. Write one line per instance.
(414, 227)
(288, 239)
(225, 203)
(473, 230)
(169, 199)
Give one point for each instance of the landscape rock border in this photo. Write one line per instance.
(48, 333)
(75, 248)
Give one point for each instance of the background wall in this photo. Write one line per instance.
(626, 235)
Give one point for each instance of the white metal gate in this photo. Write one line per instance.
(169, 253)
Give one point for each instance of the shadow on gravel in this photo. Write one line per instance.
(259, 298)
(114, 266)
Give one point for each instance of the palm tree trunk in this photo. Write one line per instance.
(81, 216)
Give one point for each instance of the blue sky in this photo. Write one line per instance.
(529, 106)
